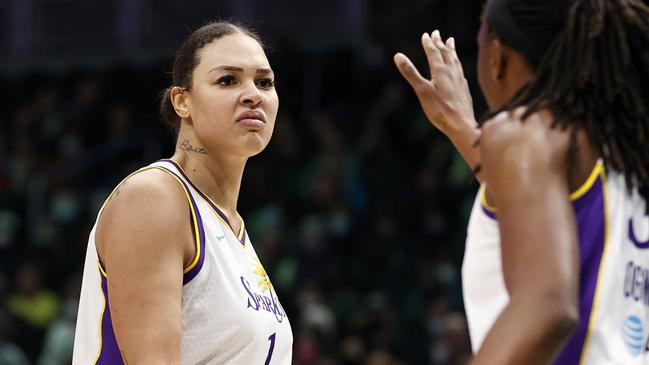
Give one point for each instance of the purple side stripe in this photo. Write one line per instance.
(187, 277)
(591, 225)
(486, 211)
(110, 354)
(209, 201)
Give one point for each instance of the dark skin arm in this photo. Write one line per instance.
(525, 166)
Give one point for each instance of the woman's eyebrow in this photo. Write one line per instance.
(263, 71)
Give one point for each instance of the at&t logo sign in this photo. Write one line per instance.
(633, 335)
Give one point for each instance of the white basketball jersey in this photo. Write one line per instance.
(230, 311)
(613, 229)
(483, 284)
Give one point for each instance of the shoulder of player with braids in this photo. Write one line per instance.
(595, 76)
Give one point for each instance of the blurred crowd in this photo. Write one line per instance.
(357, 208)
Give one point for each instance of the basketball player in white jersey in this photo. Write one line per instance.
(171, 276)
(556, 268)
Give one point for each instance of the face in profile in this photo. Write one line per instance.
(485, 69)
(233, 102)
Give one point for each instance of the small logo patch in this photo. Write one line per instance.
(633, 334)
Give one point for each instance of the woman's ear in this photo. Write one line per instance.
(181, 101)
(498, 61)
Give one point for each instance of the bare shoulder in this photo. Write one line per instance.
(507, 139)
(152, 191)
(145, 209)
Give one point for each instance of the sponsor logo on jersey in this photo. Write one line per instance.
(633, 335)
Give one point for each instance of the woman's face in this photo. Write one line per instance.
(233, 101)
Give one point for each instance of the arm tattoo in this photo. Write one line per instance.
(116, 192)
(185, 145)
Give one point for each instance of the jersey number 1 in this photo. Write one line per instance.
(271, 338)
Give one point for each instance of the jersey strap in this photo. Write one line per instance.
(241, 234)
(199, 230)
(576, 196)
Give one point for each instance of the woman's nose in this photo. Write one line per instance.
(251, 95)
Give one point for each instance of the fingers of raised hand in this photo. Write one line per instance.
(409, 72)
(446, 52)
(450, 45)
(433, 54)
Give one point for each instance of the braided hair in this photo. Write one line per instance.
(594, 74)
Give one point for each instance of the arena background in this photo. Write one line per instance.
(358, 208)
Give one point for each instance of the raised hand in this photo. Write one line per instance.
(445, 97)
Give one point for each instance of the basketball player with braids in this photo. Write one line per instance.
(171, 276)
(556, 268)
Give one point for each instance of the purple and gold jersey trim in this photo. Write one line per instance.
(598, 171)
(199, 231)
(592, 227)
(197, 222)
(490, 211)
(109, 353)
(241, 235)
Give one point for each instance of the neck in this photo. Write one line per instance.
(219, 177)
(517, 75)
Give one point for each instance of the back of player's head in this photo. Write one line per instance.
(528, 26)
(188, 57)
(593, 74)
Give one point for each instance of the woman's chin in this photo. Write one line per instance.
(253, 148)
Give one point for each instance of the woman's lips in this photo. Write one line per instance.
(251, 123)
